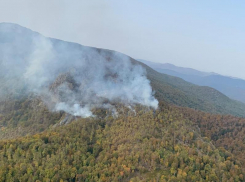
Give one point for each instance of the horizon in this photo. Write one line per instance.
(137, 58)
(215, 73)
(108, 90)
(178, 33)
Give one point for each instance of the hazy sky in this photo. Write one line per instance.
(206, 35)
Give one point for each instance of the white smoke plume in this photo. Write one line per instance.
(69, 77)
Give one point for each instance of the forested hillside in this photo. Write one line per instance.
(136, 146)
(167, 88)
(224, 131)
(26, 116)
(231, 87)
(179, 92)
(115, 137)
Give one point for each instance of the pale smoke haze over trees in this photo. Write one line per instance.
(30, 63)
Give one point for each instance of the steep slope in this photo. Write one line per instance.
(25, 114)
(128, 143)
(136, 146)
(232, 87)
(224, 131)
(182, 93)
(179, 92)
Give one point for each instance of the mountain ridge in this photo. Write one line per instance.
(126, 143)
(169, 66)
(171, 89)
(230, 86)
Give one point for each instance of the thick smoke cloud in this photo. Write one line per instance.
(67, 76)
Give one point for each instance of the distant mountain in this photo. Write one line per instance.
(20, 45)
(232, 87)
(176, 69)
(177, 91)
(138, 143)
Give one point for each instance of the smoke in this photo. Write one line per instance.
(67, 76)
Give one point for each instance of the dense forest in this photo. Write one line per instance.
(171, 143)
(29, 115)
(176, 91)
(194, 135)
(139, 145)
(225, 131)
